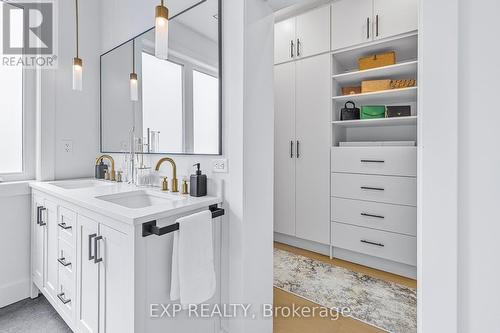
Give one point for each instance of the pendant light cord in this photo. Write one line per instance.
(77, 32)
(133, 55)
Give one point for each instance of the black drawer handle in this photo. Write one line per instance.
(372, 188)
(372, 161)
(63, 262)
(372, 215)
(372, 243)
(62, 299)
(64, 226)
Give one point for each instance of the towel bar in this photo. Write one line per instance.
(150, 228)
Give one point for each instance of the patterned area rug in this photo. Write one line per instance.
(386, 305)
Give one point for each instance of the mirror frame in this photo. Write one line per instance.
(220, 85)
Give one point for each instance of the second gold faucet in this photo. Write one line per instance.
(174, 171)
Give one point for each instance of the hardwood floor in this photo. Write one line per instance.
(326, 325)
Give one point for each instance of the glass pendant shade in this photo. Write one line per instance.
(77, 74)
(134, 87)
(161, 32)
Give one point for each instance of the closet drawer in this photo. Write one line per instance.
(388, 217)
(383, 244)
(66, 295)
(66, 257)
(66, 222)
(394, 161)
(386, 189)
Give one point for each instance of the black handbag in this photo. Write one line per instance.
(347, 113)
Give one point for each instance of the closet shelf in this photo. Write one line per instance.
(396, 121)
(405, 69)
(391, 96)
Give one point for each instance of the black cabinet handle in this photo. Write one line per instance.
(298, 47)
(372, 215)
(298, 148)
(96, 249)
(64, 226)
(372, 188)
(62, 299)
(291, 49)
(367, 28)
(376, 25)
(291, 148)
(91, 257)
(372, 161)
(371, 243)
(63, 262)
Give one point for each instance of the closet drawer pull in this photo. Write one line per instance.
(291, 149)
(376, 25)
(63, 262)
(64, 226)
(372, 188)
(96, 249)
(291, 49)
(298, 47)
(62, 299)
(91, 257)
(367, 28)
(371, 243)
(371, 215)
(372, 161)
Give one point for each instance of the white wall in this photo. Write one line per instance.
(479, 166)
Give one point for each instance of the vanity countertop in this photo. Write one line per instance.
(111, 199)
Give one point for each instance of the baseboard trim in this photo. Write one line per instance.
(302, 243)
(14, 292)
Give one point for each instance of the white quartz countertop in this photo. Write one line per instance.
(89, 194)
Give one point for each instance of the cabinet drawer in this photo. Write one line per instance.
(66, 295)
(394, 161)
(383, 244)
(386, 189)
(66, 257)
(66, 222)
(388, 217)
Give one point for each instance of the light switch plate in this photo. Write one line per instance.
(67, 146)
(219, 165)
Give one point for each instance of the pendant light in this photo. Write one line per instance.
(134, 85)
(77, 61)
(161, 31)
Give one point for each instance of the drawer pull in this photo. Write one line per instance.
(63, 262)
(372, 215)
(372, 161)
(62, 299)
(372, 188)
(64, 226)
(372, 243)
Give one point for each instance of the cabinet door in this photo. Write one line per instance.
(394, 17)
(88, 277)
(313, 32)
(116, 303)
(312, 194)
(352, 22)
(284, 148)
(51, 263)
(284, 41)
(38, 245)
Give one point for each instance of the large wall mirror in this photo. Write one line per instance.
(178, 107)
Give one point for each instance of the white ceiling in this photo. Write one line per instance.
(201, 20)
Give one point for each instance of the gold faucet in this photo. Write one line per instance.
(174, 169)
(112, 176)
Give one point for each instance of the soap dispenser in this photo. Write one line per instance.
(100, 170)
(198, 183)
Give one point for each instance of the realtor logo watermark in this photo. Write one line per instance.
(29, 33)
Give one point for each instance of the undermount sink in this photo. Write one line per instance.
(139, 199)
(79, 184)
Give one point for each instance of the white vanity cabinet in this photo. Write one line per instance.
(359, 21)
(302, 36)
(96, 268)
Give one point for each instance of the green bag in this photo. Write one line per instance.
(372, 111)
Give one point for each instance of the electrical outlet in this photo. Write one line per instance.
(67, 146)
(219, 165)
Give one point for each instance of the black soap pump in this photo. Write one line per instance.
(198, 183)
(100, 170)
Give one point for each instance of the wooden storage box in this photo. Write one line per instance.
(375, 85)
(351, 90)
(377, 60)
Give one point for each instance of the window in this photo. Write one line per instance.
(205, 113)
(162, 94)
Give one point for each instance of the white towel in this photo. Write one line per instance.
(193, 271)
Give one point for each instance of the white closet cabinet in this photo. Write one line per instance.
(359, 21)
(394, 17)
(302, 36)
(302, 167)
